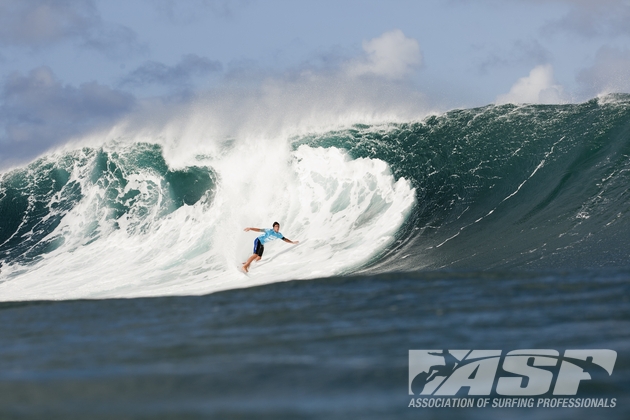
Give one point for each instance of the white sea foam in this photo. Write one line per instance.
(342, 210)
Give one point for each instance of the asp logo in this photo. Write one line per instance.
(517, 373)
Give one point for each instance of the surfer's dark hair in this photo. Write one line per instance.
(275, 223)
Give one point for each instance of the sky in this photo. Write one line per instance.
(69, 68)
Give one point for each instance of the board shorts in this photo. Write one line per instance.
(258, 248)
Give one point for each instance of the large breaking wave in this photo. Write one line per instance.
(495, 187)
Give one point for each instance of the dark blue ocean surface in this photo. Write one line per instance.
(334, 348)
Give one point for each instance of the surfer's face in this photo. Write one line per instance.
(276, 228)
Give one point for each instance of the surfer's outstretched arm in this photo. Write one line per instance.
(287, 240)
(247, 229)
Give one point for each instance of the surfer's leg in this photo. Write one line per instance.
(251, 259)
(248, 262)
(256, 256)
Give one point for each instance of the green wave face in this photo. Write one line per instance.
(506, 186)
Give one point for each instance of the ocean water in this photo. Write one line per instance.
(502, 227)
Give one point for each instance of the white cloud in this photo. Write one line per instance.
(538, 88)
(392, 56)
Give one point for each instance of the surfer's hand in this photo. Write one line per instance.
(296, 242)
(246, 229)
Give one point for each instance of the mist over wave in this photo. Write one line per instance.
(161, 210)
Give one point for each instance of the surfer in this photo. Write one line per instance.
(268, 235)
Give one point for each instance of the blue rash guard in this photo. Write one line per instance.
(269, 235)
